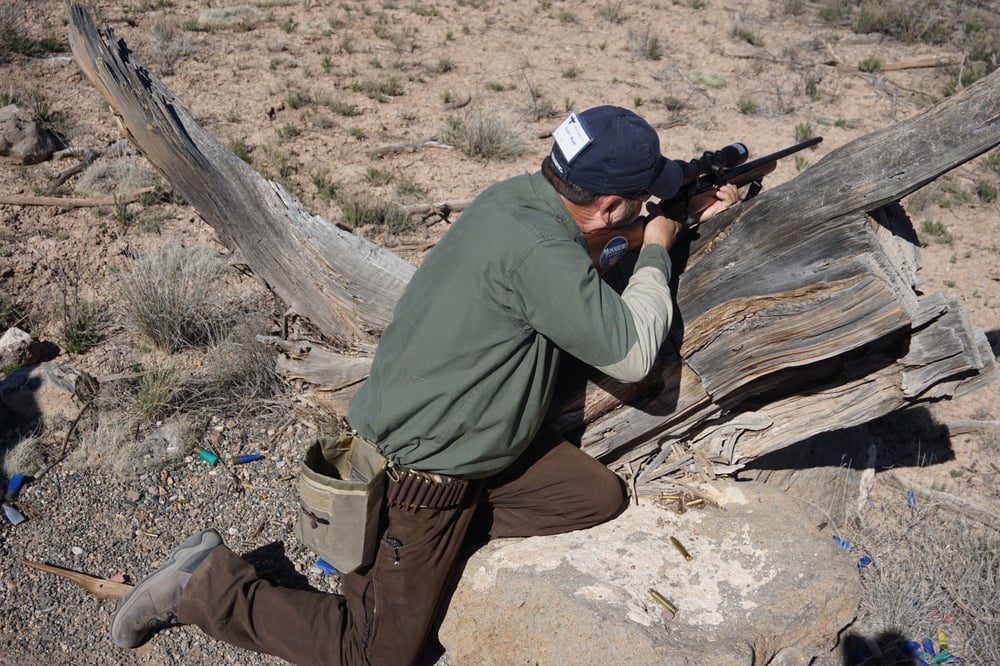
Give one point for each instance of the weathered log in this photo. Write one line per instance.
(797, 311)
(344, 284)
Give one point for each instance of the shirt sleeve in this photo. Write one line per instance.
(560, 294)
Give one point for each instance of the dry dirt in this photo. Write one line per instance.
(277, 77)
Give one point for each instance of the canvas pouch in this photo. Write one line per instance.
(341, 492)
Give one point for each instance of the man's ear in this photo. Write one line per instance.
(606, 205)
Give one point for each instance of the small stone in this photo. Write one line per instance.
(77, 550)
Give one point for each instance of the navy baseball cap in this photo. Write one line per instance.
(611, 150)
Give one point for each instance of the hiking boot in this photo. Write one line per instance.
(152, 603)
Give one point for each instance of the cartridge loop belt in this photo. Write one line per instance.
(411, 489)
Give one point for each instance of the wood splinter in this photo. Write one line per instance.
(99, 588)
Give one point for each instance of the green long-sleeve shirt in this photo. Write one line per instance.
(465, 372)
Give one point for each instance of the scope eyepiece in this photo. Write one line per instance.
(713, 163)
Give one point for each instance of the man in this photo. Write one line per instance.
(457, 393)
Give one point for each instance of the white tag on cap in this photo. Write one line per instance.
(571, 137)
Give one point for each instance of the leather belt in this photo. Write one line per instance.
(410, 489)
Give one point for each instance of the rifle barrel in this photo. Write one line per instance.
(773, 157)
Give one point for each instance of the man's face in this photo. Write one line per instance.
(627, 212)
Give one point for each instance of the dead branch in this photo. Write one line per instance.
(407, 147)
(924, 62)
(88, 156)
(442, 208)
(957, 504)
(458, 103)
(73, 202)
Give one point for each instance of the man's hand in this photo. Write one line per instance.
(661, 231)
(707, 205)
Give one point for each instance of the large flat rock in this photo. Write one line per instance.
(767, 584)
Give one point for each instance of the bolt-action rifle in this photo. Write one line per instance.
(707, 173)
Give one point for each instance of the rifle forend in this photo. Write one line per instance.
(710, 171)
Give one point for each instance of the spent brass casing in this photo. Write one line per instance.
(663, 601)
(681, 549)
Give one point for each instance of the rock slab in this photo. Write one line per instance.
(23, 138)
(767, 585)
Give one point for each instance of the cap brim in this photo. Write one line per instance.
(669, 182)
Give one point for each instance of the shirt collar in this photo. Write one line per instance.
(553, 203)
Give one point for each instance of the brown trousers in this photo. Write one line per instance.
(387, 610)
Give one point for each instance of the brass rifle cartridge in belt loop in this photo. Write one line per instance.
(663, 601)
(422, 491)
(681, 549)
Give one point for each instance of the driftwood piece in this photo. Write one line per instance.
(796, 312)
(99, 588)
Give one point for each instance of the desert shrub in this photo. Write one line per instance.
(970, 72)
(992, 162)
(325, 187)
(298, 99)
(343, 108)
(9, 313)
(359, 211)
(871, 64)
(804, 132)
(378, 177)
(746, 105)
(288, 131)
(744, 34)
(987, 192)
(241, 149)
(238, 375)
(84, 324)
(646, 45)
(153, 391)
(541, 106)
(169, 45)
(612, 10)
(908, 20)
(673, 104)
(934, 231)
(407, 188)
(14, 37)
(380, 90)
(486, 135)
(10, 28)
(171, 296)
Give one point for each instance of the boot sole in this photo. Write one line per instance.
(199, 544)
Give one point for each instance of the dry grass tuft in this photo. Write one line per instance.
(485, 135)
(171, 296)
(27, 456)
(117, 176)
(933, 574)
(113, 446)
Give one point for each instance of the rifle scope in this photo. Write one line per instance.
(715, 162)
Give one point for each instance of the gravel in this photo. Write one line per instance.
(104, 526)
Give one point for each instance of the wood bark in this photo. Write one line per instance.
(797, 312)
